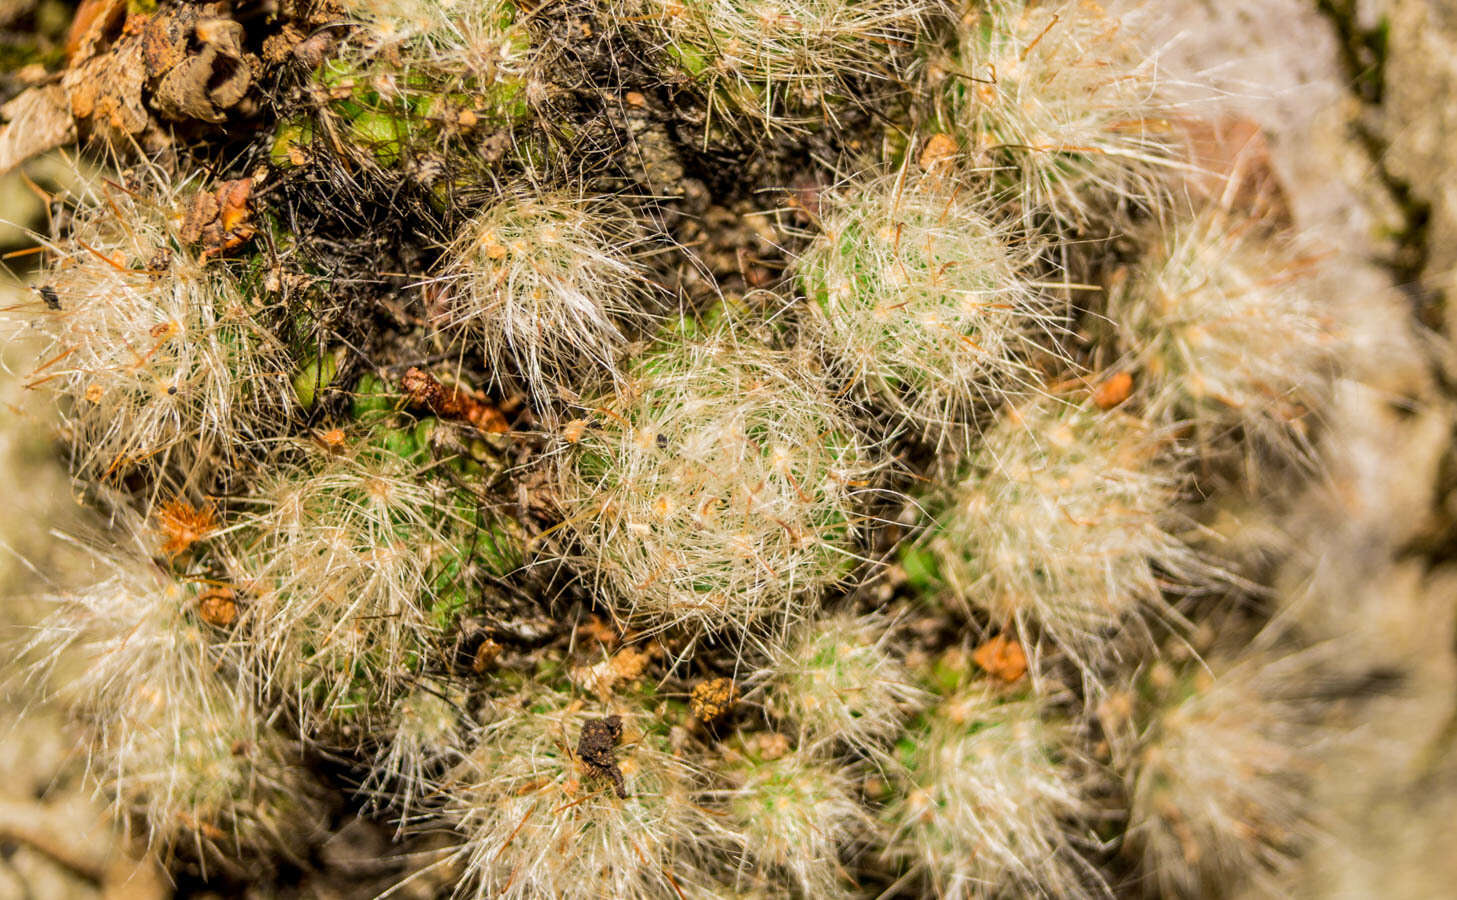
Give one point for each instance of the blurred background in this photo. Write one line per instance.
(1353, 106)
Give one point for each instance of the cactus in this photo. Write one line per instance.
(544, 285)
(1060, 527)
(418, 85)
(184, 750)
(1219, 326)
(797, 815)
(782, 65)
(1219, 771)
(164, 356)
(991, 802)
(332, 566)
(837, 681)
(719, 487)
(1063, 101)
(541, 814)
(610, 553)
(921, 301)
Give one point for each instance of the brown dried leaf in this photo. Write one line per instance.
(423, 390)
(106, 92)
(203, 87)
(164, 40)
(234, 197)
(220, 219)
(150, 58)
(202, 213)
(221, 32)
(95, 22)
(40, 120)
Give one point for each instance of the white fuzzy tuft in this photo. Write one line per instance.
(1060, 526)
(424, 733)
(543, 286)
(1218, 784)
(836, 679)
(172, 740)
(537, 821)
(332, 565)
(159, 352)
(785, 64)
(1219, 321)
(991, 806)
(1061, 99)
(921, 300)
(720, 487)
(797, 815)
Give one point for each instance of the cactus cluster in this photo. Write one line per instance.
(824, 523)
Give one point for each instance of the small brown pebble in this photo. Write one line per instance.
(1114, 390)
(218, 607)
(597, 749)
(711, 699)
(1001, 657)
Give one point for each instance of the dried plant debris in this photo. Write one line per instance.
(666, 449)
(423, 390)
(597, 748)
(131, 73)
(36, 121)
(221, 220)
(713, 699)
